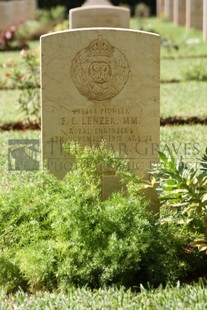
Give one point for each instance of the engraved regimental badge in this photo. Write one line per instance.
(100, 71)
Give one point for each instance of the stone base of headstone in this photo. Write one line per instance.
(110, 184)
(99, 16)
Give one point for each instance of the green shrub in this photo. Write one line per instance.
(184, 190)
(59, 233)
(61, 26)
(10, 277)
(56, 13)
(197, 71)
(33, 29)
(108, 242)
(27, 79)
(183, 186)
(46, 21)
(9, 39)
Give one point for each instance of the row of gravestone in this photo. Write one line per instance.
(101, 83)
(189, 13)
(16, 11)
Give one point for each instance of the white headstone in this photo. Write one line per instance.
(102, 14)
(180, 12)
(5, 15)
(16, 11)
(205, 20)
(160, 8)
(96, 2)
(96, 87)
(31, 7)
(194, 14)
(169, 11)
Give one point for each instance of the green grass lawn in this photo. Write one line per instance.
(9, 106)
(179, 41)
(175, 69)
(186, 297)
(15, 55)
(184, 100)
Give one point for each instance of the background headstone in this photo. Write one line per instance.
(5, 15)
(205, 20)
(99, 14)
(96, 87)
(160, 8)
(96, 2)
(16, 11)
(194, 14)
(180, 12)
(169, 9)
(30, 9)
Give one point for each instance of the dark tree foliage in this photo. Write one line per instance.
(76, 3)
(67, 3)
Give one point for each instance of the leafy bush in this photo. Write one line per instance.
(197, 71)
(55, 13)
(10, 41)
(61, 26)
(183, 187)
(33, 29)
(184, 190)
(27, 79)
(45, 22)
(58, 233)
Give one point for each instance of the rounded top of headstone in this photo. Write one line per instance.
(97, 2)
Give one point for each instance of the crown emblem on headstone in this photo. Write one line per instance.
(100, 71)
(100, 47)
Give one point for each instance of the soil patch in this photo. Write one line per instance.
(168, 121)
(19, 126)
(194, 120)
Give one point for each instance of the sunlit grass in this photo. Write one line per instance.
(184, 100)
(169, 298)
(179, 41)
(9, 112)
(174, 69)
